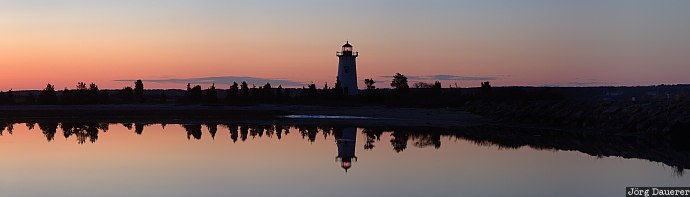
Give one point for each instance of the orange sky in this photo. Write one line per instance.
(531, 43)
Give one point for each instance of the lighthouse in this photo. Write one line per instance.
(347, 69)
(346, 141)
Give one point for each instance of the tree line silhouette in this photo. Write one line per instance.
(401, 93)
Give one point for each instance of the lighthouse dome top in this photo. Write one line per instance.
(347, 47)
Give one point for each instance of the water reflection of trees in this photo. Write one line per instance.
(400, 138)
(193, 130)
(49, 129)
(212, 129)
(88, 131)
(9, 127)
(372, 135)
(83, 131)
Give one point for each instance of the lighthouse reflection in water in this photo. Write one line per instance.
(346, 139)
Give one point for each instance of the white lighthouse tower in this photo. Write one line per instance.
(347, 69)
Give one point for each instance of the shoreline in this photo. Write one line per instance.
(360, 115)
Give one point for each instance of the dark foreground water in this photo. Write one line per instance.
(125, 159)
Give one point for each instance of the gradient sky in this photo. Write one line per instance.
(527, 42)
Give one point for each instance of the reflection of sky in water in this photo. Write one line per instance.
(164, 162)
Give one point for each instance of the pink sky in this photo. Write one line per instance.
(624, 43)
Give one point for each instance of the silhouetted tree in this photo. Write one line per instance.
(233, 92)
(279, 93)
(93, 94)
(370, 83)
(486, 88)
(83, 94)
(212, 94)
(81, 86)
(267, 92)
(193, 94)
(139, 90)
(126, 94)
(48, 96)
(436, 89)
(244, 90)
(312, 89)
(399, 83)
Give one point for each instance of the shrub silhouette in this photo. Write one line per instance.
(126, 94)
(422, 85)
(485, 88)
(267, 93)
(279, 94)
(370, 83)
(48, 95)
(83, 94)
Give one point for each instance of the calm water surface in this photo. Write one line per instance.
(103, 159)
